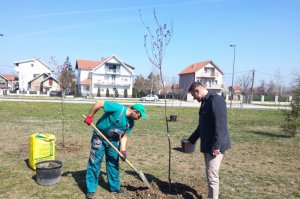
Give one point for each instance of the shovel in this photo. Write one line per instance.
(140, 173)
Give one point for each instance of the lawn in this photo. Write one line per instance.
(263, 162)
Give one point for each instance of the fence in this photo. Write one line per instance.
(259, 98)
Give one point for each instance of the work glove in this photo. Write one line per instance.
(124, 155)
(88, 120)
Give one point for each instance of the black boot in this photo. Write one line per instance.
(89, 195)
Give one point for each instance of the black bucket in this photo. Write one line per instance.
(48, 172)
(173, 118)
(185, 149)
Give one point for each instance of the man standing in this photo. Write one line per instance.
(116, 123)
(212, 129)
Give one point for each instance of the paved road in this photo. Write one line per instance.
(170, 103)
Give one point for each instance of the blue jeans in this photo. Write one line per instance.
(98, 150)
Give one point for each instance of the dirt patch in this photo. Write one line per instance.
(69, 148)
(19, 151)
(136, 189)
(189, 120)
(161, 189)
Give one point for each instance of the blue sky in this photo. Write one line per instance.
(266, 34)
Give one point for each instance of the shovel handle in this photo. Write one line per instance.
(105, 138)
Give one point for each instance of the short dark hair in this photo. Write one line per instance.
(194, 85)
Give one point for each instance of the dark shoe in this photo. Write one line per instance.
(120, 191)
(89, 195)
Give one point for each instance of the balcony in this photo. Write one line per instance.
(111, 83)
(112, 72)
(207, 75)
(213, 86)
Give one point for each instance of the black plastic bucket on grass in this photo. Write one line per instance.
(173, 118)
(185, 149)
(48, 172)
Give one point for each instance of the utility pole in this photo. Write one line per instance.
(233, 45)
(253, 74)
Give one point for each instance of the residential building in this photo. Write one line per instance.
(235, 90)
(35, 75)
(206, 72)
(108, 73)
(43, 83)
(8, 82)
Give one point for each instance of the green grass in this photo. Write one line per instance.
(263, 162)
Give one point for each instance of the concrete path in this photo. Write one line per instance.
(170, 103)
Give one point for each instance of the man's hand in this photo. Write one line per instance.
(215, 152)
(124, 155)
(88, 120)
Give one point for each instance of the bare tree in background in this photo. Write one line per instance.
(66, 77)
(156, 41)
(266, 88)
(245, 83)
(278, 82)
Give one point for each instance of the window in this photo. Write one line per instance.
(32, 65)
(50, 82)
(112, 67)
(87, 88)
(202, 81)
(210, 71)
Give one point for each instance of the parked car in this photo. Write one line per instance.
(150, 97)
(55, 93)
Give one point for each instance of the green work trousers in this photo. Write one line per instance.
(100, 148)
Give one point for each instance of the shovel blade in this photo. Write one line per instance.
(143, 177)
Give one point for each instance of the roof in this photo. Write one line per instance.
(129, 65)
(35, 78)
(197, 66)
(89, 64)
(86, 82)
(9, 77)
(235, 88)
(32, 60)
(50, 78)
(92, 64)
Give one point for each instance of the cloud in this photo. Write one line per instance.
(121, 9)
(80, 25)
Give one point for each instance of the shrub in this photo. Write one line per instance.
(292, 120)
(116, 93)
(98, 92)
(107, 92)
(125, 93)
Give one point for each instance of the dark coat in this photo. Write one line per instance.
(212, 128)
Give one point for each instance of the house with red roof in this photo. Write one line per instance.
(107, 73)
(206, 72)
(8, 82)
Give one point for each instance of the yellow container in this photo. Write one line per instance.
(41, 148)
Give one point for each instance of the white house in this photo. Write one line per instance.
(206, 72)
(108, 73)
(29, 70)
